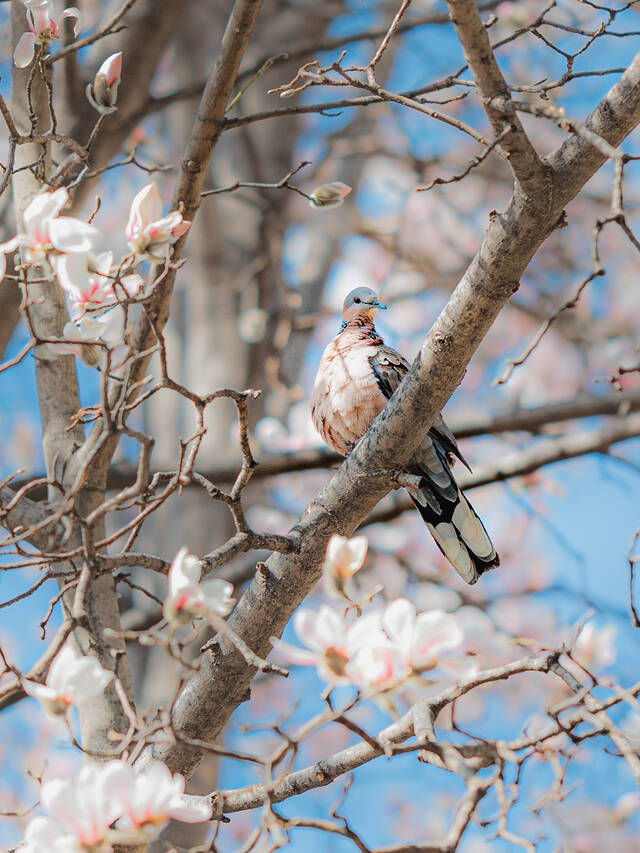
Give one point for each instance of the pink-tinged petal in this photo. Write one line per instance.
(39, 15)
(344, 557)
(146, 207)
(72, 235)
(435, 632)
(72, 13)
(180, 229)
(25, 49)
(40, 210)
(376, 666)
(112, 68)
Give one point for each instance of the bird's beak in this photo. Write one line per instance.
(377, 304)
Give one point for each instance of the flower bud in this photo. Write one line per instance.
(103, 92)
(329, 195)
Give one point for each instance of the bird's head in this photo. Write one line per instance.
(361, 302)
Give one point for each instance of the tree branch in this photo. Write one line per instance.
(527, 167)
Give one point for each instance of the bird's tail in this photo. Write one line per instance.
(456, 528)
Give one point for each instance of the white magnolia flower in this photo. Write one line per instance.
(45, 231)
(420, 638)
(44, 835)
(149, 233)
(83, 810)
(155, 795)
(42, 29)
(329, 195)
(344, 653)
(188, 598)
(88, 281)
(84, 337)
(103, 92)
(87, 805)
(73, 678)
(344, 557)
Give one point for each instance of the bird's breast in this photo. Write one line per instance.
(346, 397)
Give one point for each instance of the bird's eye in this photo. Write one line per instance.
(356, 299)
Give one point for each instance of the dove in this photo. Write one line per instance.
(356, 377)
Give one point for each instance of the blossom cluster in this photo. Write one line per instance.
(95, 287)
(109, 803)
(73, 679)
(378, 650)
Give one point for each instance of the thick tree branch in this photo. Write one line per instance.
(527, 167)
(208, 699)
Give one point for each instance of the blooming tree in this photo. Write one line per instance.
(186, 206)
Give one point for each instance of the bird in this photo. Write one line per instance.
(356, 377)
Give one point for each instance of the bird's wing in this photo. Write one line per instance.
(389, 368)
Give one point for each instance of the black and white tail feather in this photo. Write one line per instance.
(450, 518)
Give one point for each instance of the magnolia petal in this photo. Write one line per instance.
(294, 654)
(72, 13)
(38, 691)
(181, 228)
(25, 49)
(189, 812)
(112, 326)
(39, 16)
(435, 632)
(366, 631)
(185, 568)
(146, 207)
(131, 284)
(5, 249)
(399, 620)
(72, 273)
(376, 666)
(44, 835)
(72, 235)
(217, 593)
(43, 208)
(112, 68)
